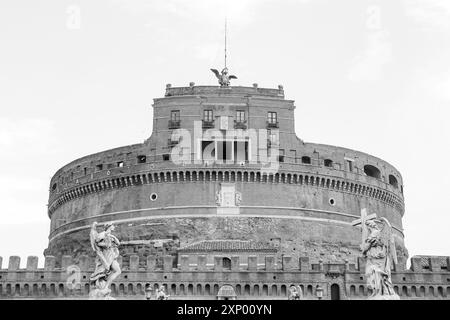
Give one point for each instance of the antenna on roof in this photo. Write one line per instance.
(224, 77)
(225, 41)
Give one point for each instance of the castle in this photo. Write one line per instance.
(224, 201)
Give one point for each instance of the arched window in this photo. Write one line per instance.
(265, 290)
(393, 181)
(61, 289)
(306, 160)
(404, 291)
(328, 163)
(274, 290)
(372, 171)
(130, 289)
(173, 289)
(247, 290)
(309, 290)
(181, 291)
(238, 289)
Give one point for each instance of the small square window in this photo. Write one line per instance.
(142, 159)
(99, 167)
(166, 157)
(120, 164)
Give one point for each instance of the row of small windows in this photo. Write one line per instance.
(208, 116)
(369, 170)
(119, 164)
(100, 167)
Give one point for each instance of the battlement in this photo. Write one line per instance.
(168, 263)
(270, 279)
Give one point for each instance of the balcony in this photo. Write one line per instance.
(240, 124)
(208, 124)
(272, 124)
(174, 124)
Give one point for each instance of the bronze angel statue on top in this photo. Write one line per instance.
(224, 77)
(107, 268)
(378, 248)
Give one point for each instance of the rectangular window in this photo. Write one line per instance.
(208, 115)
(175, 115)
(294, 156)
(350, 165)
(281, 155)
(99, 167)
(120, 164)
(240, 116)
(272, 117)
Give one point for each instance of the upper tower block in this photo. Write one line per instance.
(222, 108)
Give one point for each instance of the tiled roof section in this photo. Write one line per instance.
(228, 245)
(425, 260)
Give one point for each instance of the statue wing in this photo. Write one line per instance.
(93, 236)
(232, 77)
(388, 240)
(216, 72)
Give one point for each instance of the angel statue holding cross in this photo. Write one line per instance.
(378, 247)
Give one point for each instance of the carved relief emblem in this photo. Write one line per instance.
(227, 196)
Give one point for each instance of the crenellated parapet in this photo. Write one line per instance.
(268, 280)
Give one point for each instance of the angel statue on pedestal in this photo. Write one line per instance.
(107, 268)
(378, 247)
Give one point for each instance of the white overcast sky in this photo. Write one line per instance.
(368, 75)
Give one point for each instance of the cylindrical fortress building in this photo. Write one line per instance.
(224, 163)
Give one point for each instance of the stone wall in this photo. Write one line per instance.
(200, 281)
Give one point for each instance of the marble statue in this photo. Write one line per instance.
(378, 247)
(107, 268)
(161, 294)
(238, 198)
(223, 77)
(218, 198)
(294, 293)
